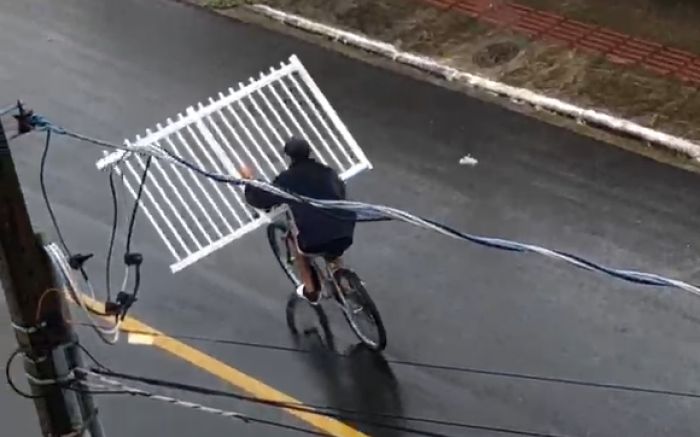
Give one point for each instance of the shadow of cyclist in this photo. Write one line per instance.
(360, 385)
(309, 325)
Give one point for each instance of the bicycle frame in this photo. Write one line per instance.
(317, 262)
(331, 283)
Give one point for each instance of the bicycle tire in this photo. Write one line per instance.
(368, 305)
(281, 229)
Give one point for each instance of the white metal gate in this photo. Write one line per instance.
(248, 126)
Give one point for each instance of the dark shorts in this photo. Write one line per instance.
(331, 250)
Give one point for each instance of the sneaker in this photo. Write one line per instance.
(301, 292)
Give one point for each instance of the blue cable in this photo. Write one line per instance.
(43, 124)
(369, 212)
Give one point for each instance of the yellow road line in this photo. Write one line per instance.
(233, 376)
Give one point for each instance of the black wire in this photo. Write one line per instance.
(76, 386)
(54, 221)
(137, 202)
(338, 413)
(112, 236)
(335, 213)
(131, 392)
(282, 425)
(13, 386)
(137, 284)
(399, 362)
(418, 364)
(92, 357)
(10, 382)
(73, 387)
(42, 183)
(243, 418)
(549, 379)
(130, 232)
(267, 402)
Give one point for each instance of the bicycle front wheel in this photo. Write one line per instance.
(360, 311)
(277, 236)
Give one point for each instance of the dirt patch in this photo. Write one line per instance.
(497, 53)
(555, 70)
(633, 93)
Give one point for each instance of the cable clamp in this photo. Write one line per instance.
(70, 377)
(25, 119)
(125, 301)
(133, 259)
(28, 329)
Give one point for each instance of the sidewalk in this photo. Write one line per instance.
(594, 53)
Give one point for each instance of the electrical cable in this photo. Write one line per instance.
(44, 193)
(124, 300)
(112, 236)
(92, 357)
(638, 277)
(424, 365)
(8, 378)
(127, 215)
(40, 303)
(78, 385)
(378, 211)
(105, 334)
(131, 259)
(10, 382)
(109, 335)
(54, 220)
(133, 391)
(13, 386)
(137, 203)
(338, 413)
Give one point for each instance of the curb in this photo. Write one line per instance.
(518, 95)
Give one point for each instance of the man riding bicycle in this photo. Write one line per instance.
(320, 232)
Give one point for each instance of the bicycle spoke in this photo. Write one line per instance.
(359, 310)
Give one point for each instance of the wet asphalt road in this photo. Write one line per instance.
(112, 69)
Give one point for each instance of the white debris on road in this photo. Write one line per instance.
(468, 160)
(140, 339)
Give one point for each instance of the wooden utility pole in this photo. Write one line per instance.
(47, 343)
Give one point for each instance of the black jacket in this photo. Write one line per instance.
(312, 179)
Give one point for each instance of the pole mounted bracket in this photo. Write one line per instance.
(77, 261)
(25, 119)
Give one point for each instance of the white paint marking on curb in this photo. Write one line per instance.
(539, 101)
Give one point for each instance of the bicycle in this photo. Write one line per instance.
(342, 286)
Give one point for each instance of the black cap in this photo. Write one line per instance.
(297, 149)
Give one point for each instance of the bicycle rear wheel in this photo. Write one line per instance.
(277, 237)
(360, 311)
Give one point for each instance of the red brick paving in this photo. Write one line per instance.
(616, 47)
